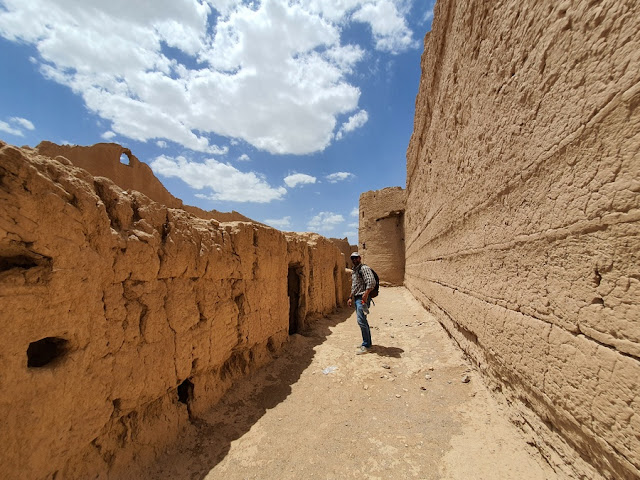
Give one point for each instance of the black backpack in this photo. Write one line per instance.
(376, 289)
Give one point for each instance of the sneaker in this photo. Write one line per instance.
(362, 349)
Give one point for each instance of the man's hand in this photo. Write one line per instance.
(349, 302)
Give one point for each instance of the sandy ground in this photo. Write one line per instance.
(320, 411)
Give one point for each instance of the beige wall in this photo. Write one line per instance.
(145, 297)
(345, 248)
(104, 160)
(381, 233)
(523, 212)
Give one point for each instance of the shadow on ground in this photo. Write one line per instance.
(383, 351)
(208, 440)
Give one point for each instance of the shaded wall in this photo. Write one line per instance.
(381, 233)
(523, 213)
(123, 319)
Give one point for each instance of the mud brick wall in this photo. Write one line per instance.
(104, 160)
(381, 233)
(124, 319)
(523, 213)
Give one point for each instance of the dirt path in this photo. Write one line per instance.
(319, 411)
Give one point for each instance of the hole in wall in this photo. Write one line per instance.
(45, 351)
(185, 392)
(124, 159)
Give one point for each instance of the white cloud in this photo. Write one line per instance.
(299, 179)
(5, 127)
(15, 125)
(23, 122)
(244, 158)
(225, 181)
(355, 212)
(161, 144)
(232, 78)
(355, 121)
(353, 225)
(339, 177)
(108, 135)
(325, 222)
(279, 223)
(389, 27)
(351, 235)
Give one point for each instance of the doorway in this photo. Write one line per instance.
(293, 291)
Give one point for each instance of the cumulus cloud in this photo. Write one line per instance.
(325, 222)
(339, 177)
(108, 135)
(355, 121)
(389, 27)
(161, 144)
(279, 223)
(226, 182)
(244, 158)
(355, 212)
(271, 73)
(299, 179)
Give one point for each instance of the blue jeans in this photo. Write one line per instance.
(362, 322)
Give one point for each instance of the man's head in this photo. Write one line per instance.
(355, 258)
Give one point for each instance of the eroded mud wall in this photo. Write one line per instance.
(523, 213)
(123, 319)
(345, 248)
(106, 160)
(381, 233)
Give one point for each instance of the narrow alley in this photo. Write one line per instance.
(413, 408)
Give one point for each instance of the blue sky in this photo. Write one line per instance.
(282, 110)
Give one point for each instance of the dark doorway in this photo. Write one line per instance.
(293, 290)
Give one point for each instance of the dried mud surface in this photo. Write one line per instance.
(373, 416)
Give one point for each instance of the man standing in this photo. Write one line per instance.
(362, 282)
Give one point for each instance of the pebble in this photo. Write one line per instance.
(428, 377)
(423, 388)
(366, 387)
(404, 389)
(398, 395)
(430, 368)
(386, 366)
(466, 379)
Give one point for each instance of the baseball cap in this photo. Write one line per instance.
(355, 254)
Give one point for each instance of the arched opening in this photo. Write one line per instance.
(124, 159)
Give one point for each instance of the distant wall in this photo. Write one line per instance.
(381, 233)
(104, 160)
(345, 248)
(124, 319)
(523, 213)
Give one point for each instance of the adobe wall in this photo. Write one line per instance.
(345, 248)
(381, 233)
(523, 213)
(103, 160)
(145, 314)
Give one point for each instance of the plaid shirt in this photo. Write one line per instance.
(361, 279)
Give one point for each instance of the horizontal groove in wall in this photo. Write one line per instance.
(575, 229)
(530, 169)
(499, 304)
